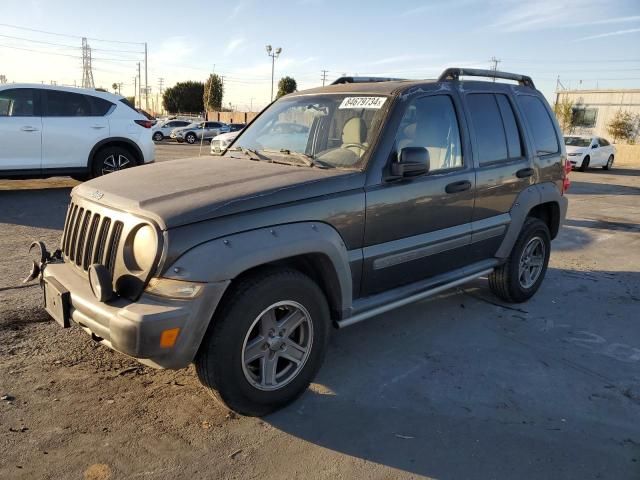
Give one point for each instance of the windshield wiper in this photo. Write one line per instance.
(251, 153)
(308, 160)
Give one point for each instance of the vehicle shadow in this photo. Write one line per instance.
(42, 208)
(464, 386)
(589, 188)
(627, 172)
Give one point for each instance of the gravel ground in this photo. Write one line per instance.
(457, 387)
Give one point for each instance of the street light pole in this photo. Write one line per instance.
(273, 54)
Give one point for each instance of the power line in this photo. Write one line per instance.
(68, 35)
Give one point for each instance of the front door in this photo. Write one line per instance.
(419, 227)
(20, 130)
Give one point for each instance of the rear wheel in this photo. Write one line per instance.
(158, 136)
(585, 164)
(267, 343)
(112, 159)
(519, 278)
(609, 164)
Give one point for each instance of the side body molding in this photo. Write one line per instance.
(526, 200)
(227, 257)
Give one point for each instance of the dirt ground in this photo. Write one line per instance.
(461, 386)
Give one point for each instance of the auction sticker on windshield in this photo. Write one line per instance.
(362, 102)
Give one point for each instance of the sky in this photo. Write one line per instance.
(588, 44)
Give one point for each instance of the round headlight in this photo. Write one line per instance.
(143, 248)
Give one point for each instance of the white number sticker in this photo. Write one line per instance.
(363, 102)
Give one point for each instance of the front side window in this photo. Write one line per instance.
(329, 130)
(431, 122)
(17, 102)
(66, 104)
(544, 133)
(603, 142)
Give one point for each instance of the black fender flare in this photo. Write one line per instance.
(528, 199)
(225, 258)
(107, 141)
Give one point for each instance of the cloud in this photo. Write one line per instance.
(233, 45)
(235, 11)
(609, 34)
(434, 6)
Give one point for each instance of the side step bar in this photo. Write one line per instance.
(410, 299)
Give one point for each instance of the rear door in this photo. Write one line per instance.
(20, 130)
(71, 125)
(503, 167)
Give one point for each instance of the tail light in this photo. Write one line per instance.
(566, 183)
(144, 123)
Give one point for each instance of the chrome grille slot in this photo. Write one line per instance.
(74, 235)
(82, 237)
(98, 255)
(90, 246)
(112, 249)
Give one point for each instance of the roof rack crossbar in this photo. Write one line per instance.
(342, 80)
(455, 74)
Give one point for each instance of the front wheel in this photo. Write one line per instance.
(191, 138)
(585, 164)
(267, 343)
(609, 164)
(158, 136)
(519, 278)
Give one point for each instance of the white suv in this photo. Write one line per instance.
(48, 131)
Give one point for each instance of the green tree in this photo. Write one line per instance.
(564, 114)
(184, 97)
(115, 87)
(623, 126)
(131, 100)
(213, 93)
(286, 85)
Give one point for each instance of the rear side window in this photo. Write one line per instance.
(66, 104)
(17, 102)
(514, 146)
(487, 125)
(544, 133)
(101, 106)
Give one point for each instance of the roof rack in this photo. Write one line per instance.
(364, 80)
(456, 73)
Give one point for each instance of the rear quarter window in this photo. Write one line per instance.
(101, 107)
(540, 124)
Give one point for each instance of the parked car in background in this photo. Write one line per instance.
(196, 131)
(220, 143)
(47, 130)
(163, 130)
(585, 152)
(234, 127)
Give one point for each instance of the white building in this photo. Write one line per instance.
(594, 109)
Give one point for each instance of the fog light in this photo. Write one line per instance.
(168, 337)
(100, 282)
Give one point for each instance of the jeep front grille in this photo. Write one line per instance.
(90, 238)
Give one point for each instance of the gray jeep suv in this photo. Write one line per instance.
(334, 205)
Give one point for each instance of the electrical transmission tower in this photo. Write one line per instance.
(324, 77)
(3, 79)
(87, 73)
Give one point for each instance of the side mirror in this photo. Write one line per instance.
(412, 161)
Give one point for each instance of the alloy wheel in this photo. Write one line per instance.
(114, 162)
(531, 262)
(277, 345)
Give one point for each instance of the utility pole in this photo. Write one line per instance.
(273, 54)
(494, 66)
(159, 94)
(146, 82)
(135, 90)
(139, 85)
(324, 77)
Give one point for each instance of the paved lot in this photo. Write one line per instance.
(457, 387)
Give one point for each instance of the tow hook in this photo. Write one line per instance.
(41, 257)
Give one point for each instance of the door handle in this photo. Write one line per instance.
(524, 173)
(29, 128)
(456, 187)
(97, 127)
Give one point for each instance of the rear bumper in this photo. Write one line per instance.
(134, 328)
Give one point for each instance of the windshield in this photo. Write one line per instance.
(577, 141)
(327, 130)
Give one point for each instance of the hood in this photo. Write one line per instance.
(227, 136)
(179, 192)
(573, 149)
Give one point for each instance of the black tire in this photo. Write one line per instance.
(585, 164)
(110, 159)
(219, 362)
(609, 164)
(158, 137)
(505, 280)
(190, 138)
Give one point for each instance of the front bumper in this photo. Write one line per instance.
(134, 328)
